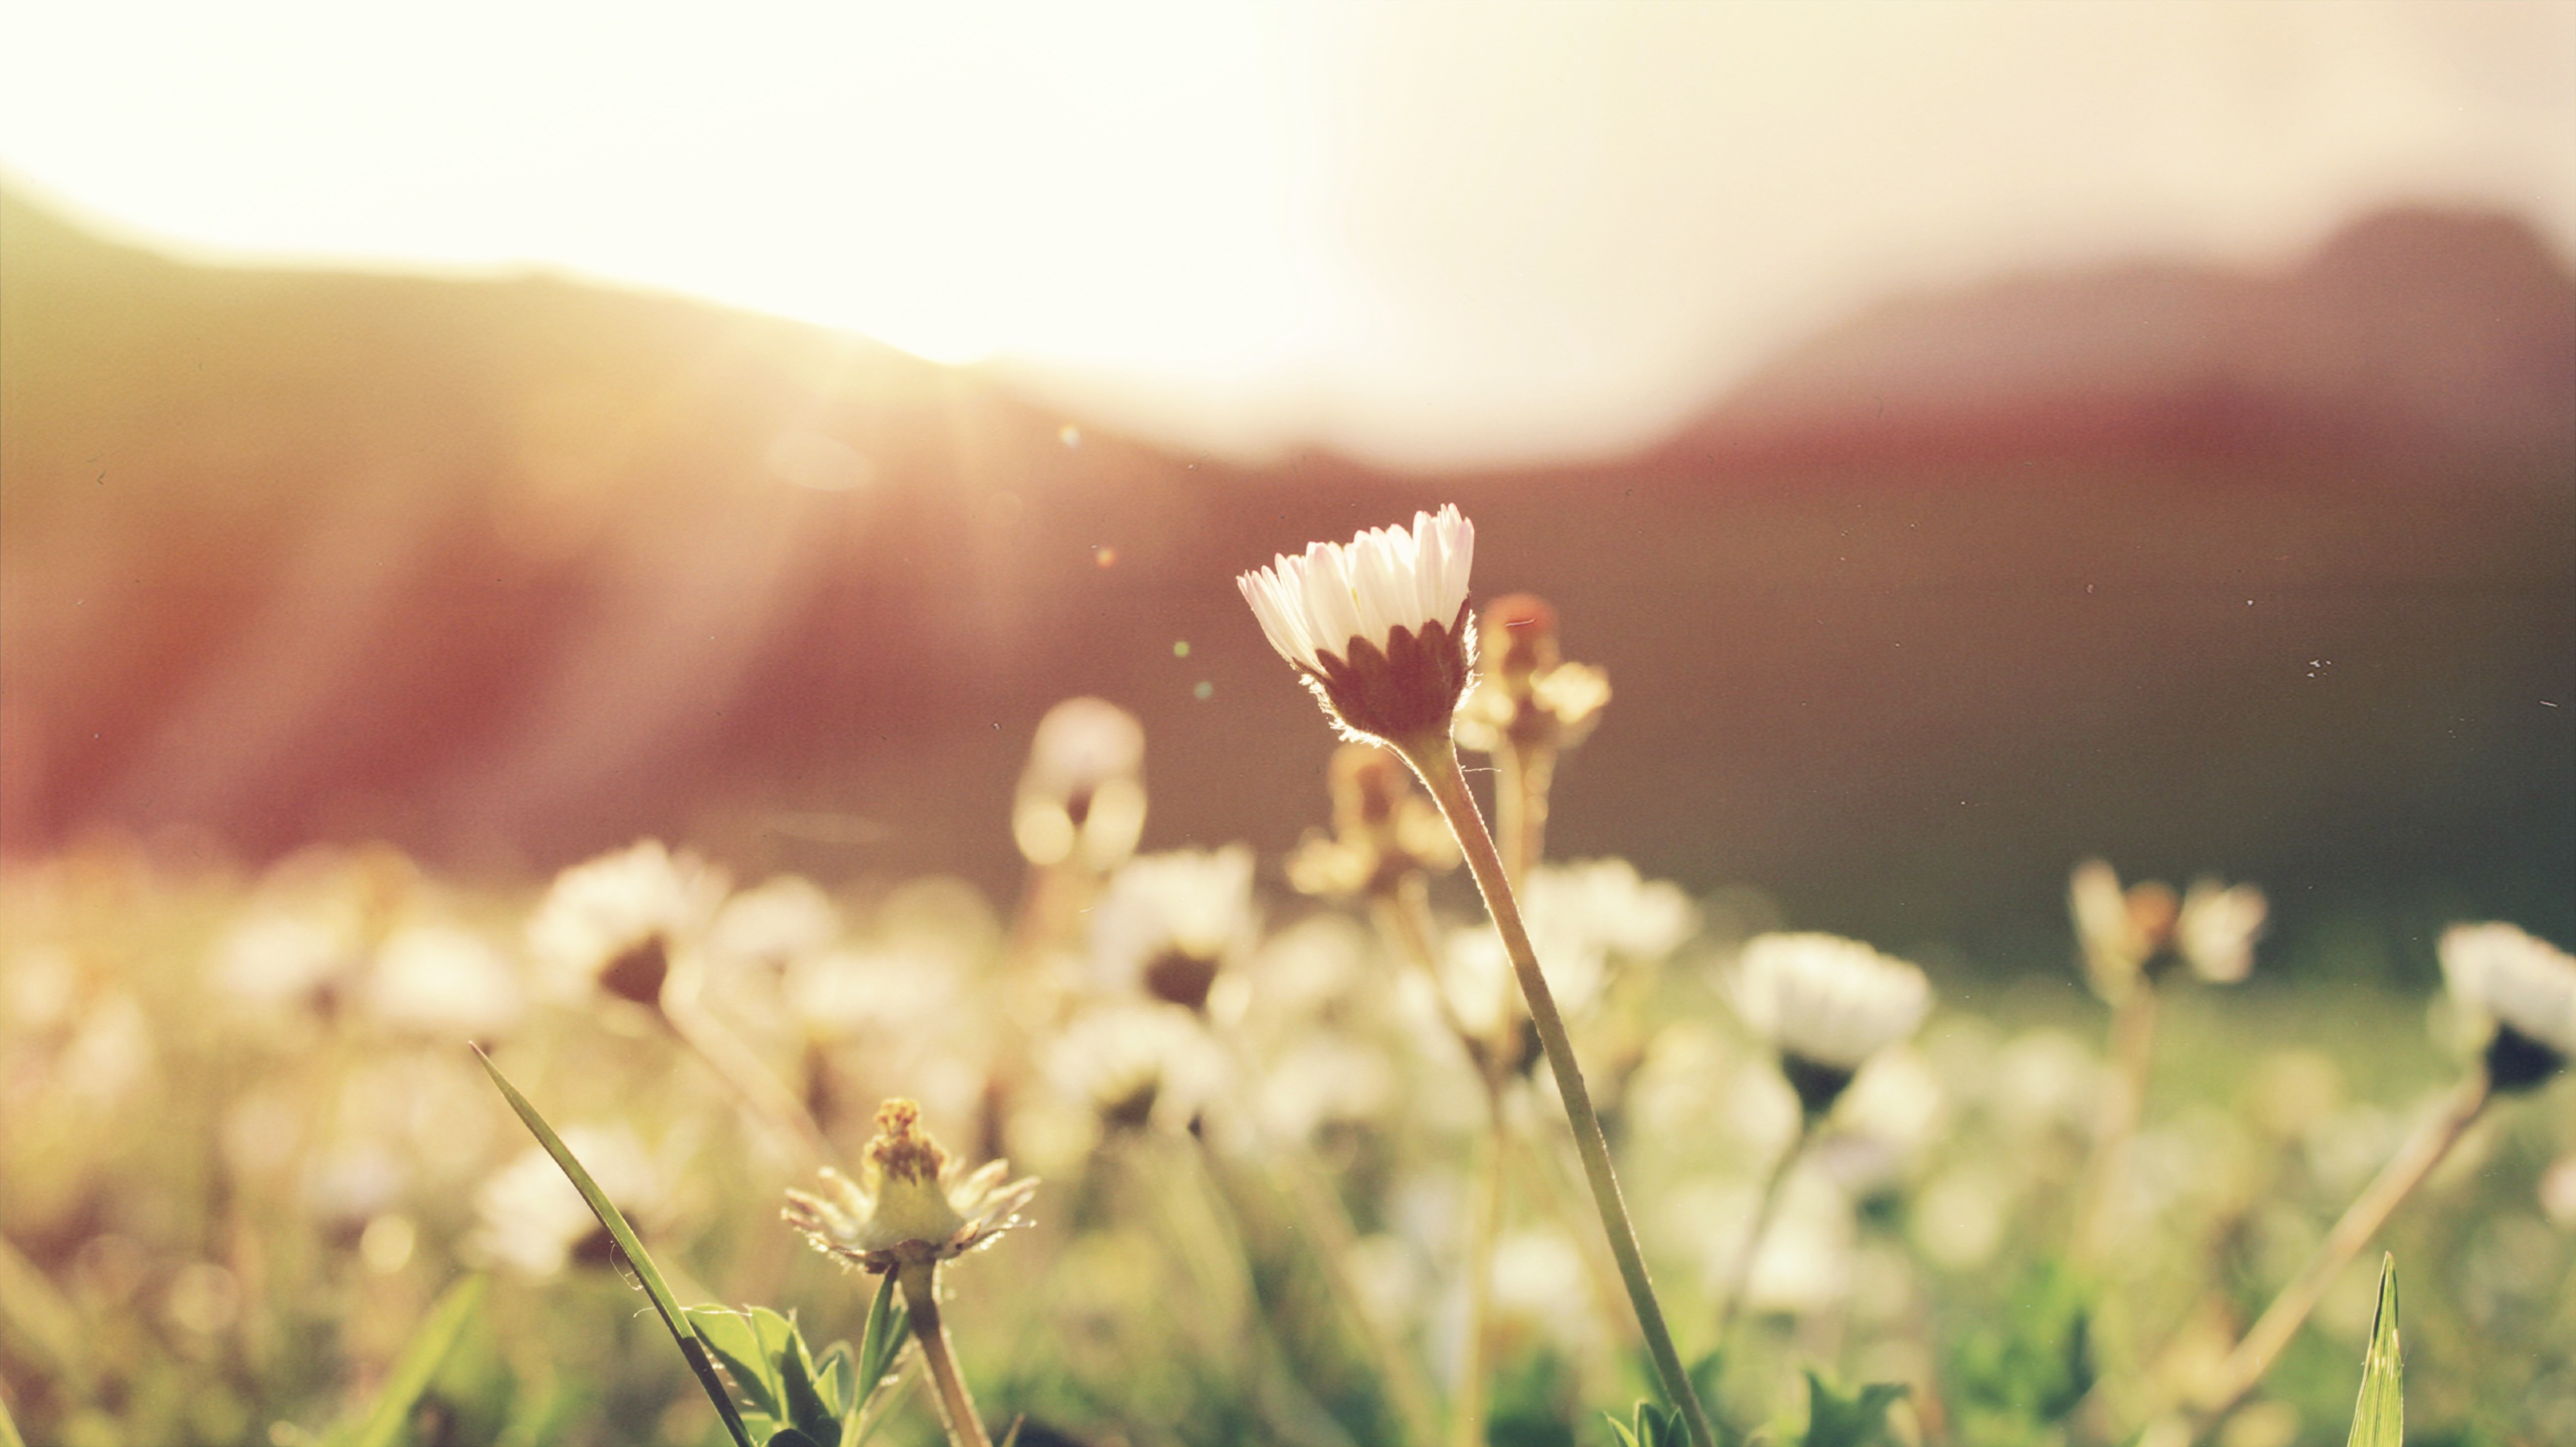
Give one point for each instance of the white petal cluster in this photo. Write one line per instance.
(2498, 972)
(1828, 1000)
(598, 909)
(1197, 902)
(1379, 581)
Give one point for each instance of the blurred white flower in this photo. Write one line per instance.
(1538, 1275)
(286, 954)
(1378, 626)
(1169, 922)
(2217, 928)
(1603, 908)
(529, 1217)
(1805, 1260)
(1326, 1076)
(886, 988)
(1137, 1062)
(780, 920)
(2525, 986)
(439, 979)
(1827, 1004)
(615, 920)
(1081, 796)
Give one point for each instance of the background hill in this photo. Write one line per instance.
(2273, 575)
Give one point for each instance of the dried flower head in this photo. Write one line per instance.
(1528, 696)
(2526, 987)
(1827, 1004)
(1378, 627)
(1383, 829)
(912, 1203)
(1082, 796)
(2129, 934)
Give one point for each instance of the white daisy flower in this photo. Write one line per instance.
(442, 980)
(1827, 1004)
(1378, 627)
(2526, 986)
(1170, 921)
(614, 920)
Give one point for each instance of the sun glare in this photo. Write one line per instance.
(1430, 234)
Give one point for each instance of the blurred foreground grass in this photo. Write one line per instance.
(244, 1148)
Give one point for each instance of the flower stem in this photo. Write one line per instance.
(1525, 773)
(2361, 1221)
(1740, 1275)
(1436, 761)
(2097, 1198)
(920, 1283)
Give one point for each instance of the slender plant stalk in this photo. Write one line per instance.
(920, 1283)
(1484, 1229)
(1739, 1277)
(2133, 1047)
(1403, 916)
(1525, 773)
(1436, 761)
(2369, 1211)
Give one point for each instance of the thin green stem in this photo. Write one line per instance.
(1436, 761)
(920, 1283)
(1739, 1277)
(2369, 1211)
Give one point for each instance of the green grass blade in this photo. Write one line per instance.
(413, 1371)
(2379, 1416)
(682, 1332)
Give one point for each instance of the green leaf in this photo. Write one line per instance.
(889, 1327)
(2032, 1360)
(1651, 1425)
(790, 1437)
(805, 1407)
(837, 1380)
(417, 1365)
(692, 1348)
(1834, 1420)
(2379, 1417)
(736, 1344)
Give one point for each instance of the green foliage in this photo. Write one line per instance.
(637, 1259)
(1860, 1420)
(421, 1357)
(2379, 1416)
(791, 1395)
(2032, 1363)
(1651, 1425)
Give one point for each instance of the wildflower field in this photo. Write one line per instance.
(1415, 1135)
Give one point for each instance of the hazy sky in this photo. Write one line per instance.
(1425, 233)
